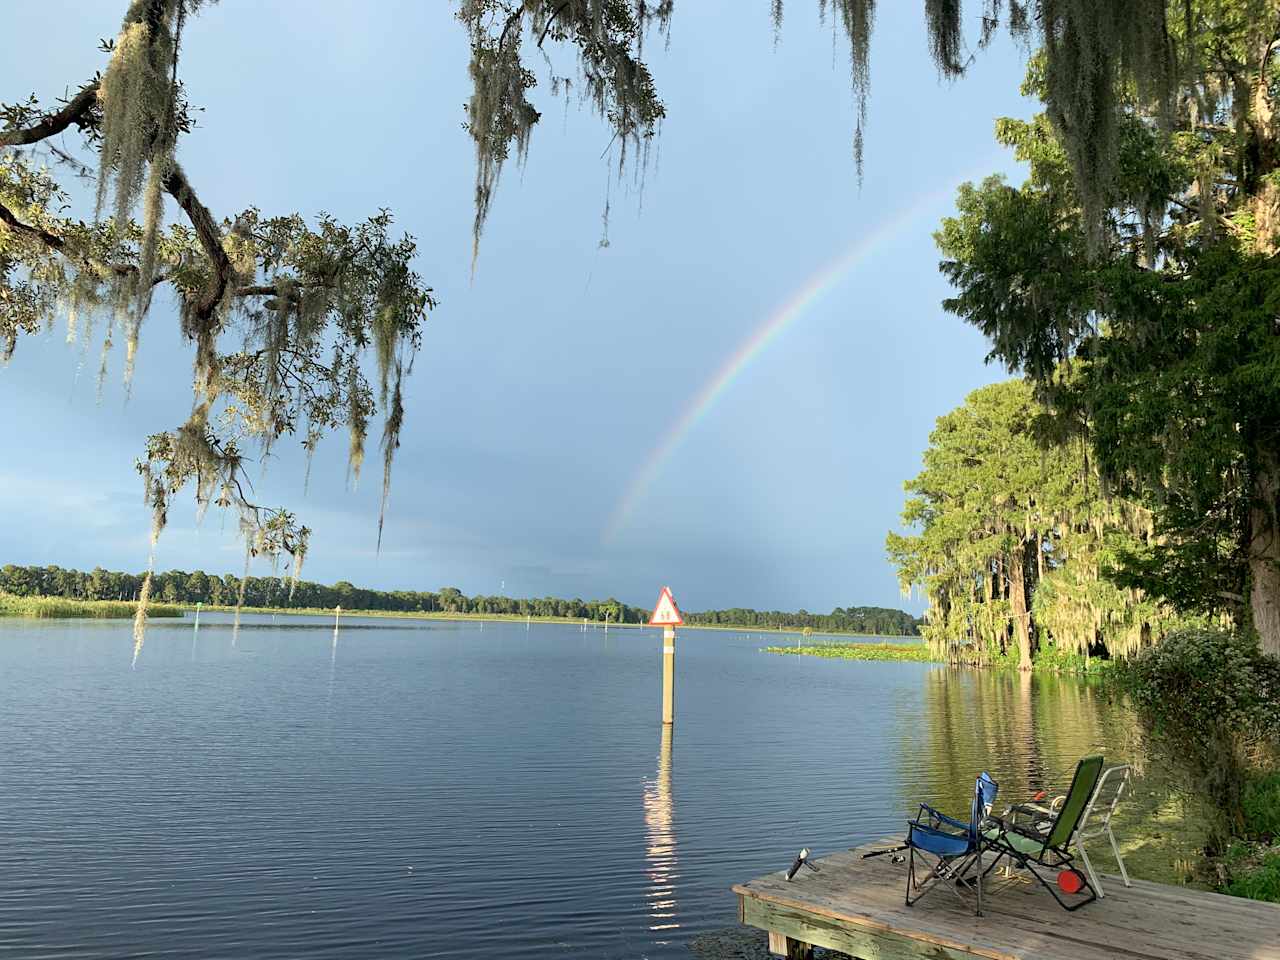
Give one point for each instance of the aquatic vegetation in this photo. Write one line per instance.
(911, 652)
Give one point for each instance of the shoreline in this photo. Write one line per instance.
(918, 652)
(521, 618)
(64, 608)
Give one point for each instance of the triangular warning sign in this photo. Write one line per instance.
(666, 613)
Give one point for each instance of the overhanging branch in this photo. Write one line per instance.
(58, 244)
(210, 237)
(76, 111)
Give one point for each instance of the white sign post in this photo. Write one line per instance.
(667, 615)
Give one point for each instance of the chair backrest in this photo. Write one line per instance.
(1082, 785)
(1105, 799)
(984, 795)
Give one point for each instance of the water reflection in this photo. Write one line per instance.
(661, 863)
(1028, 730)
(333, 668)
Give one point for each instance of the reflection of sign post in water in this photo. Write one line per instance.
(667, 615)
(660, 846)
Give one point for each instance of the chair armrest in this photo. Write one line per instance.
(1009, 825)
(1041, 819)
(936, 817)
(1038, 808)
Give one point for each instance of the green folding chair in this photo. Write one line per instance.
(1044, 843)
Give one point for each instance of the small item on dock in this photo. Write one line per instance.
(802, 860)
(880, 853)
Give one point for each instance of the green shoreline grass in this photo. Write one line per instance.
(57, 608)
(918, 652)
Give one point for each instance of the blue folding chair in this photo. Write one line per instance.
(949, 847)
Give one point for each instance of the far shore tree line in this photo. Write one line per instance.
(178, 586)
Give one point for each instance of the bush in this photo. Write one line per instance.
(1260, 803)
(1202, 677)
(1211, 699)
(1258, 883)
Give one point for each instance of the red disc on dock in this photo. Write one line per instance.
(1070, 881)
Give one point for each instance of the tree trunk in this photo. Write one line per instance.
(1018, 604)
(1264, 553)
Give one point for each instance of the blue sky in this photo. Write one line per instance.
(543, 385)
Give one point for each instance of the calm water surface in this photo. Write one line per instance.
(439, 790)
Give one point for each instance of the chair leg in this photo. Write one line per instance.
(1088, 866)
(911, 872)
(1029, 865)
(1115, 847)
(922, 887)
(978, 876)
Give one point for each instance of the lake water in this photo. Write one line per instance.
(431, 789)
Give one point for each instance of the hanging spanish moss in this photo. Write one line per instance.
(857, 17)
(137, 98)
(1092, 48)
(282, 314)
(607, 38)
(945, 37)
(358, 429)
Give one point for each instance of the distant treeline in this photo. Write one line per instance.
(880, 621)
(178, 586)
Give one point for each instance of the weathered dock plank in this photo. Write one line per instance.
(856, 906)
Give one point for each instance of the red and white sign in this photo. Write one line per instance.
(666, 613)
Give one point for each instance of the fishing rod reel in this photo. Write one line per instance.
(802, 860)
(895, 853)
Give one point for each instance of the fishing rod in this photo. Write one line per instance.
(881, 853)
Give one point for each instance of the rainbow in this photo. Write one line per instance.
(818, 285)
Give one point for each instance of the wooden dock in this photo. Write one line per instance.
(856, 906)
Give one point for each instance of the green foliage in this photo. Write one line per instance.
(1143, 306)
(1052, 658)
(1202, 678)
(1261, 882)
(1211, 700)
(997, 514)
(1260, 803)
(1185, 415)
(46, 608)
(872, 621)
